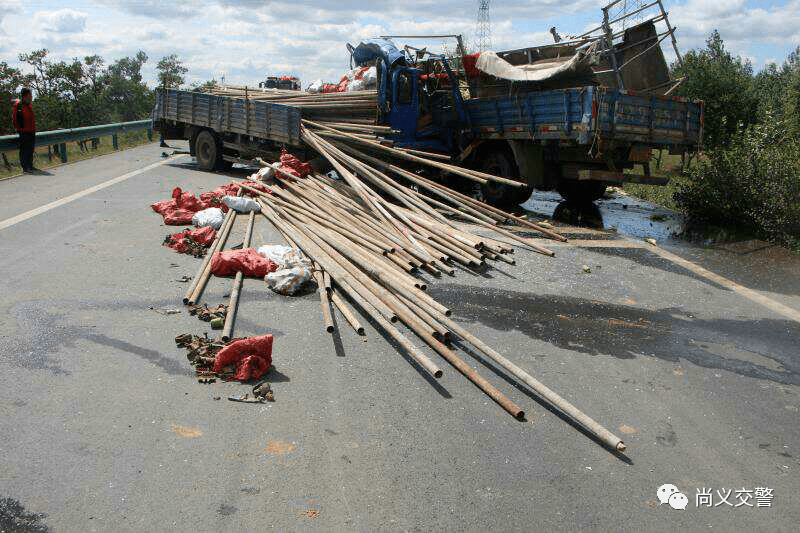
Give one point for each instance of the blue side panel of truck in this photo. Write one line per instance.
(561, 114)
(649, 119)
(585, 114)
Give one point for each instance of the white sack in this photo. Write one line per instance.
(283, 256)
(240, 204)
(213, 216)
(288, 281)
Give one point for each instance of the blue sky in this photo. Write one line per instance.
(247, 39)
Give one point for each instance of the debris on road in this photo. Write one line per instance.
(264, 390)
(207, 314)
(166, 310)
(194, 242)
(289, 281)
(366, 237)
(651, 241)
(241, 204)
(247, 399)
(213, 217)
(586, 269)
(241, 359)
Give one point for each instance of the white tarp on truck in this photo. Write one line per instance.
(580, 63)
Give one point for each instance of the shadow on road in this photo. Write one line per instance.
(762, 349)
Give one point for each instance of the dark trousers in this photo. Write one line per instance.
(27, 141)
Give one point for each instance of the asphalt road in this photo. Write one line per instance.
(104, 427)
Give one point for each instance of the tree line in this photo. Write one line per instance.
(748, 174)
(83, 92)
(736, 97)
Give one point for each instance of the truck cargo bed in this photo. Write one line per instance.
(225, 114)
(585, 113)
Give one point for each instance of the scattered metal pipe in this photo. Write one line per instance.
(236, 288)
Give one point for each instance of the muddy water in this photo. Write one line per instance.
(623, 213)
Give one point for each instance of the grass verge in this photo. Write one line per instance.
(43, 160)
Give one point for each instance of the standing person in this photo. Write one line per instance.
(25, 124)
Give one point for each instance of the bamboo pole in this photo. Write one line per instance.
(209, 253)
(236, 288)
(480, 177)
(347, 313)
(324, 300)
(416, 325)
(201, 283)
(540, 388)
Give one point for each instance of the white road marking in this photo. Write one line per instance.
(67, 199)
(750, 294)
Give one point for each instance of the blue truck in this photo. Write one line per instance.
(549, 133)
(572, 131)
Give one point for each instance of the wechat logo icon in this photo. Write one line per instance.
(671, 495)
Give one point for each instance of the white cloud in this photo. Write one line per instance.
(61, 21)
(742, 26)
(248, 39)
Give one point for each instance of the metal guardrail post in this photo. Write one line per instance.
(150, 134)
(62, 152)
(115, 141)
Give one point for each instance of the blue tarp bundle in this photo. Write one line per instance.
(368, 50)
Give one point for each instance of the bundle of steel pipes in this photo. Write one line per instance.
(369, 236)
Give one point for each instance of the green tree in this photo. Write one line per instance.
(726, 86)
(204, 86)
(790, 104)
(127, 96)
(171, 72)
(10, 82)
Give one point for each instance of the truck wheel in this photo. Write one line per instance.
(580, 191)
(501, 163)
(207, 150)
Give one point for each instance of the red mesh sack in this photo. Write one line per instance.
(204, 236)
(252, 357)
(186, 200)
(178, 217)
(248, 261)
(164, 206)
(470, 67)
(292, 164)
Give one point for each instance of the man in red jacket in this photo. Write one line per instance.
(25, 124)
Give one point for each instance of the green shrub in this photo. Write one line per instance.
(752, 184)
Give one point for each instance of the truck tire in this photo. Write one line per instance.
(580, 191)
(208, 151)
(501, 163)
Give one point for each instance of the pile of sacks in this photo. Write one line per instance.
(284, 269)
(358, 79)
(184, 208)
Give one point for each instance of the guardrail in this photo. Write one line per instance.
(60, 138)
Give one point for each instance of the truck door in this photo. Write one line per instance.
(404, 111)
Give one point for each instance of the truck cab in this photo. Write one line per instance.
(575, 133)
